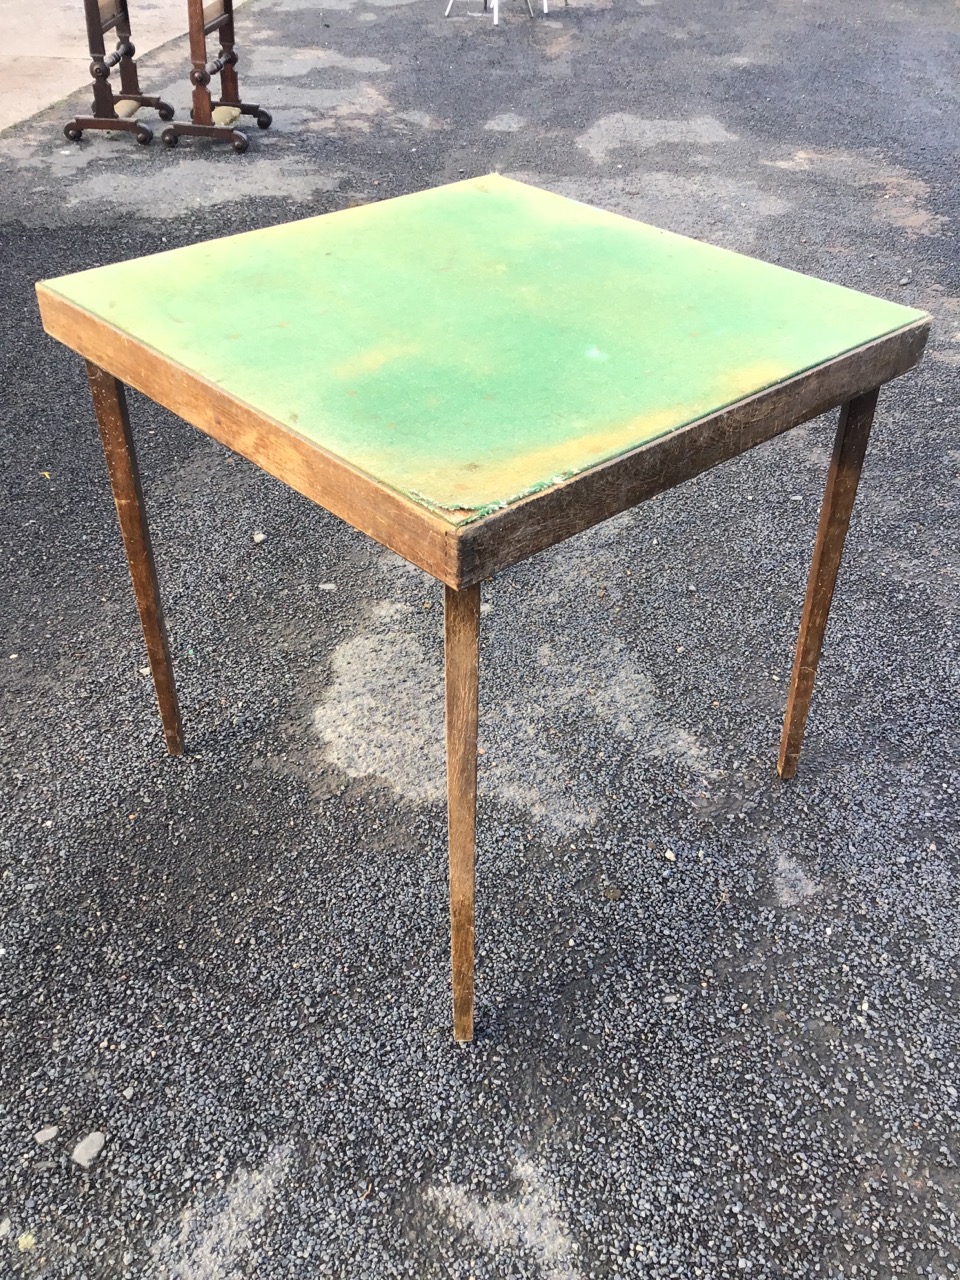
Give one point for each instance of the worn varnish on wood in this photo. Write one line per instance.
(462, 655)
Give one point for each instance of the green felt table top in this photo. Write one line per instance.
(475, 343)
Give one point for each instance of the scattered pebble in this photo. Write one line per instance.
(670, 855)
(128, 1092)
(613, 892)
(26, 1242)
(46, 1135)
(5, 1226)
(88, 1148)
(259, 536)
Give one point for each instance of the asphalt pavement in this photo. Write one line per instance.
(718, 1023)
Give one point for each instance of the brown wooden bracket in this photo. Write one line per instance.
(114, 111)
(216, 16)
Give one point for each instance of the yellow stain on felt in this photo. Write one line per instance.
(508, 479)
(365, 362)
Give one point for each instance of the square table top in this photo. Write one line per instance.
(468, 347)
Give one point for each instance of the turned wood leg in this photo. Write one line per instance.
(461, 646)
(110, 404)
(849, 448)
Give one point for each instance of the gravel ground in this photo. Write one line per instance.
(718, 1026)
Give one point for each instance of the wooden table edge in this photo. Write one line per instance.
(520, 530)
(415, 532)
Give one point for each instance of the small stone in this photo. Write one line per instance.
(144, 671)
(88, 1148)
(670, 855)
(905, 280)
(27, 1242)
(612, 892)
(671, 999)
(259, 536)
(4, 1228)
(326, 586)
(46, 1135)
(128, 1092)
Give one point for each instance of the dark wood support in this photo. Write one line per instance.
(462, 653)
(110, 405)
(103, 16)
(849, 449)
(205, 19)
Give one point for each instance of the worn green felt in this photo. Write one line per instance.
(474, 343)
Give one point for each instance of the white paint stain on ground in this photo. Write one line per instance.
(621, 129)
(791, 883)
(215, 1239)
(531, 1223)
(382, 717)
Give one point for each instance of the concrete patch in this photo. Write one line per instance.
(559, 47)
(791, 883)
(194, 179)
(621, 129)
(276, 62)
(421, 119)
(711, 206)
(215, 1238)
(530, 1223)
(897, 194)
(382, 714)
(508, 122)
(45, 54)
(381, 717)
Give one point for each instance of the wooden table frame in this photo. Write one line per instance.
(462, 555)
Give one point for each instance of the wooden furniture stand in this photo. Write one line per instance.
(114, 110)
(209, 118)
(545, 366)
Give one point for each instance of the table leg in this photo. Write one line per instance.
(110, 405)
(849, 448)
(462, 652)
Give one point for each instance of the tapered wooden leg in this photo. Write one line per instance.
(849, 448)
(461, 644)
(110, 404)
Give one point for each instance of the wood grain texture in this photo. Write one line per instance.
(853, 433)
(524, 528)
(418, 534)
(461, 648)
(110, 405)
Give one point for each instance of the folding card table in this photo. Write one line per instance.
(470, 375)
